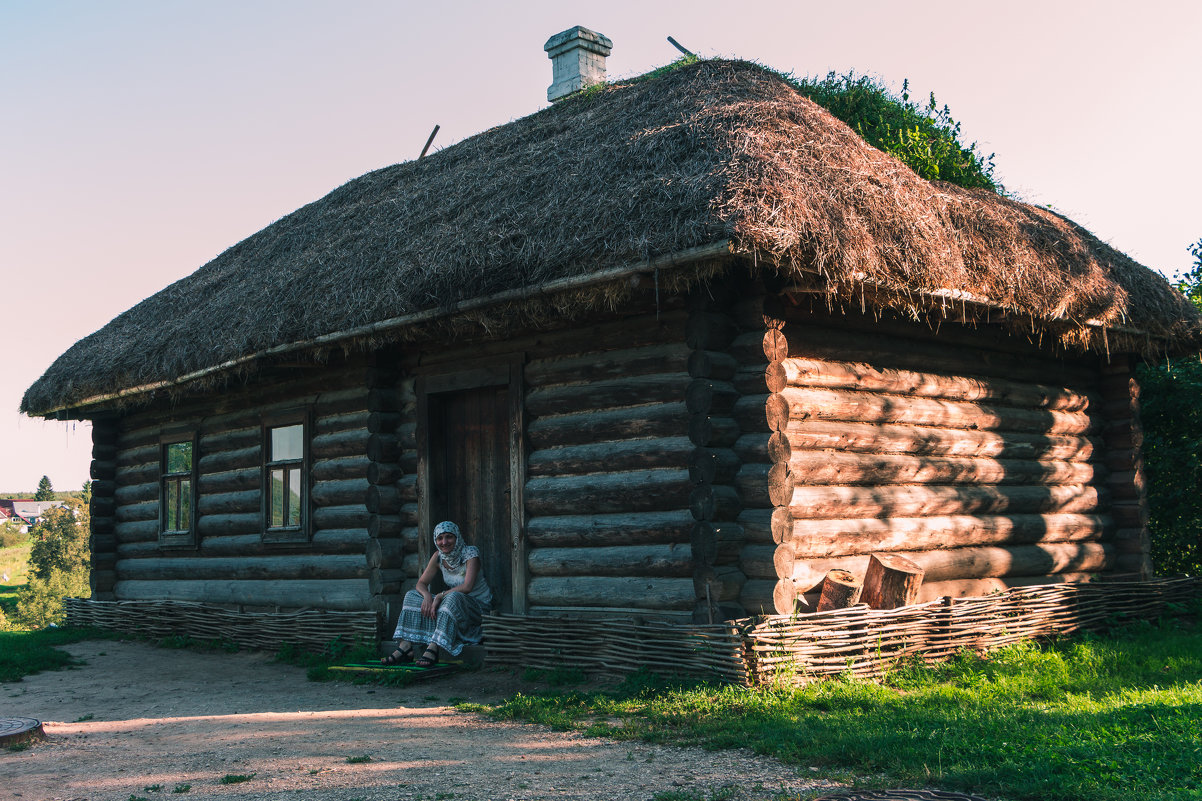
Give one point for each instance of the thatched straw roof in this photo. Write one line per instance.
(712, 152)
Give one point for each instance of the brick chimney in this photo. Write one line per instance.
(577, 60)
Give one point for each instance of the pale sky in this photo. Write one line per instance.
(139, 139)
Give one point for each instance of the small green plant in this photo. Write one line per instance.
(356, 760)
(21, 746)
(153, 788)
(181, 788)
(236, 778)
(84, 718)
(133, 797)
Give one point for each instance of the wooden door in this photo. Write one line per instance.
(468, 440)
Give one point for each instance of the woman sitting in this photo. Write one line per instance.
(446, 621)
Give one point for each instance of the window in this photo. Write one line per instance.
(177, 493)
(284, 477)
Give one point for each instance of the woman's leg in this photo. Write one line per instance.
(458, 623)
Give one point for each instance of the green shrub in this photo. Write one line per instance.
(925, 138)
(59, 567)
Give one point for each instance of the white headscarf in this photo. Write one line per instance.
(457, 558)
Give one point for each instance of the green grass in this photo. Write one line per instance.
(235, 778)
(1099, 718)
(25, 652)
(14, 561)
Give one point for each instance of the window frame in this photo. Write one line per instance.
(301, 532)
(178, 538)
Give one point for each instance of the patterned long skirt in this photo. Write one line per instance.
(456, 624)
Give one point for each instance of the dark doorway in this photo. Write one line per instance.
(469, 476)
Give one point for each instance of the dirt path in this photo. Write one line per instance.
(138, 716)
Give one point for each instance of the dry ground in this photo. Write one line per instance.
(138, 716)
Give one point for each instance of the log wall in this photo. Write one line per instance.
(985, 460)
(230, 563)
(608, 486)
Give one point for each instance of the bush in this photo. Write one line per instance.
(11, 536)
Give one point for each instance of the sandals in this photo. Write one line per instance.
(428, 659)
(401, 656)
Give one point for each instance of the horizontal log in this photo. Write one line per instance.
(610, 394)
(816, 538)
(137, 511)
(716, 542)
(353, 516)
(247, 478)
(606, 530)
(102, 470)
(413, 565)
(106, 453)
(384, 527)
(410, 514)
(979, 588)
(347, 492)
(229, 524)
(907, 347)
(137, 531)
(613, 592)
(622, 560)
(383, 473)
(611, 457)
(221, 503)
(1129, 514)
(230, 460)
(832, 467)
(759, 379)
(922, 440)
(712, 465)
(973, 563)
(652, 420)
(764, 448)
(387, 582)
(865, 407)
(102, 526)
(714, 502)
(712, 432)
(712, 397)
(386, 554)
(380, 422)
(346, 421)
(383, 448)
(231, 439)
(762, 485)
(756, 596)
(351, 442)
(104, 433)
(922, 501)
(340, 594)
(712, 364)
(607, 493)
(141, 473)
(659, 359)
(715, 584)
(133, 493)
(801, 372)
(758, 561)
(103, 506)
(137, 455)
(751, 412)
(242, 567)
(340, 469)
(406, 435)
(767, 525)
(349, 396)
(383, 500)
(406, 487)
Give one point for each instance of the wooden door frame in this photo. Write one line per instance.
(509, 373)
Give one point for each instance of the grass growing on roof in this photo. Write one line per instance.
(1099, 718)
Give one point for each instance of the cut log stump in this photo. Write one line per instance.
(840, 589)
(891, 581)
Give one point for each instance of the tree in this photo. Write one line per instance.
(85, 495)
(45, 490)
(59, 564)
(1171, 410)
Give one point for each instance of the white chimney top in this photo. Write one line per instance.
(577, 60)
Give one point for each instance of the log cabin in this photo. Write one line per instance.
(673, 349)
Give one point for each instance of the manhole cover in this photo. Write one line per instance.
(900, 795)
(18, 730)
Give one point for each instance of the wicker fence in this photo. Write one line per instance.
(797, 649)
(866, 643)
(312, 629)
(614, 648)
